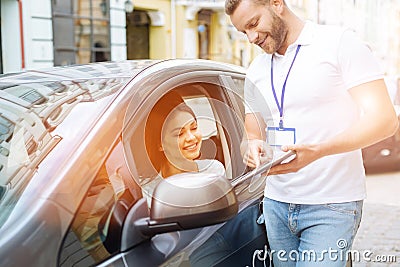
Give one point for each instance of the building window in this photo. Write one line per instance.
(138, 35)
(203, 28)
(81, 31)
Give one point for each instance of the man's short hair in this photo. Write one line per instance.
(231, 5)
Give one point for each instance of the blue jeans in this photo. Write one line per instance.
(311, 235)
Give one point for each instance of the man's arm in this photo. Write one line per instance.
(253, 148)
(377, 121)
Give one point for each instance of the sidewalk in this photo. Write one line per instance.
(378, 239)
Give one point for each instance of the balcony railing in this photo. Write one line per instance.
(193, 6)
(202, 3)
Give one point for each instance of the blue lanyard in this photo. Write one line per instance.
(280, 106)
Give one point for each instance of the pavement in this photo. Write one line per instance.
(378, 239)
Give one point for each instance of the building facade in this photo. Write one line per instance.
(377, 22)
(44, 33)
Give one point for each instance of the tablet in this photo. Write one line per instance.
(284, 158)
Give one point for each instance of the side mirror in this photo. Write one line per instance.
(187, 201)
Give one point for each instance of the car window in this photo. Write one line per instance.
(214, 142)
(205, 115)
(206, 101)
(220, 124)
(30, 110)
(23, 138)
(216, 116)
(234, 87)
(95, 233)
(21, 135)
(239, 90)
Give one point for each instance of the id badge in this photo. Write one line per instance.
(277, 136)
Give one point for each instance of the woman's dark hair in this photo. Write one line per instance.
(162, 109)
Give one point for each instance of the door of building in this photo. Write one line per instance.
(138, 35)
(204, 22)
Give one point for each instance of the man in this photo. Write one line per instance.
(317, 90)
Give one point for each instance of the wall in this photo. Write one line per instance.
(117, 30)
(11, 42)
(38, 34)
(160, 36)
(377, 22)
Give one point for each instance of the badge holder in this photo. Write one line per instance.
(279, 136)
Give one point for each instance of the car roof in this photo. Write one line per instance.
(39, 96)
(35, 107)
(34, 102)
(79, 71)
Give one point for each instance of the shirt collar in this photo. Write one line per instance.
(306, 35)
(305, 38)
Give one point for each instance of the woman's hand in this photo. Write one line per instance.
(256, 152)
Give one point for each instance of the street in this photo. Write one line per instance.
(378, 240)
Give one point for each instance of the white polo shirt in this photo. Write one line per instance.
(317, 104)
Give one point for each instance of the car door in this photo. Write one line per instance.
(220, 114)
(103, 232)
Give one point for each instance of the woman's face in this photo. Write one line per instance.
(181, 138)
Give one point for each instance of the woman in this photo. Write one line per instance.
(173, 142)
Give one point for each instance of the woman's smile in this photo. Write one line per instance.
(191, 147)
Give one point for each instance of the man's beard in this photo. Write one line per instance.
(278, 34)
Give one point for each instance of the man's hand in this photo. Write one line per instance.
(256, 152)
(305, 154)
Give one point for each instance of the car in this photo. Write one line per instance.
(73, 159)
(384, 156)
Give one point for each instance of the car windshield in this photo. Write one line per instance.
(34, 103)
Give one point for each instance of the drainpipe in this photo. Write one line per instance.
(173, 28)
(21, 33)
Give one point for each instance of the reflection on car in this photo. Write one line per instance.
(73, 159)
(384, 156)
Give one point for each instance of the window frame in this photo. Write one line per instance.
(66, 53)
(125, 193)
(134, 118)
